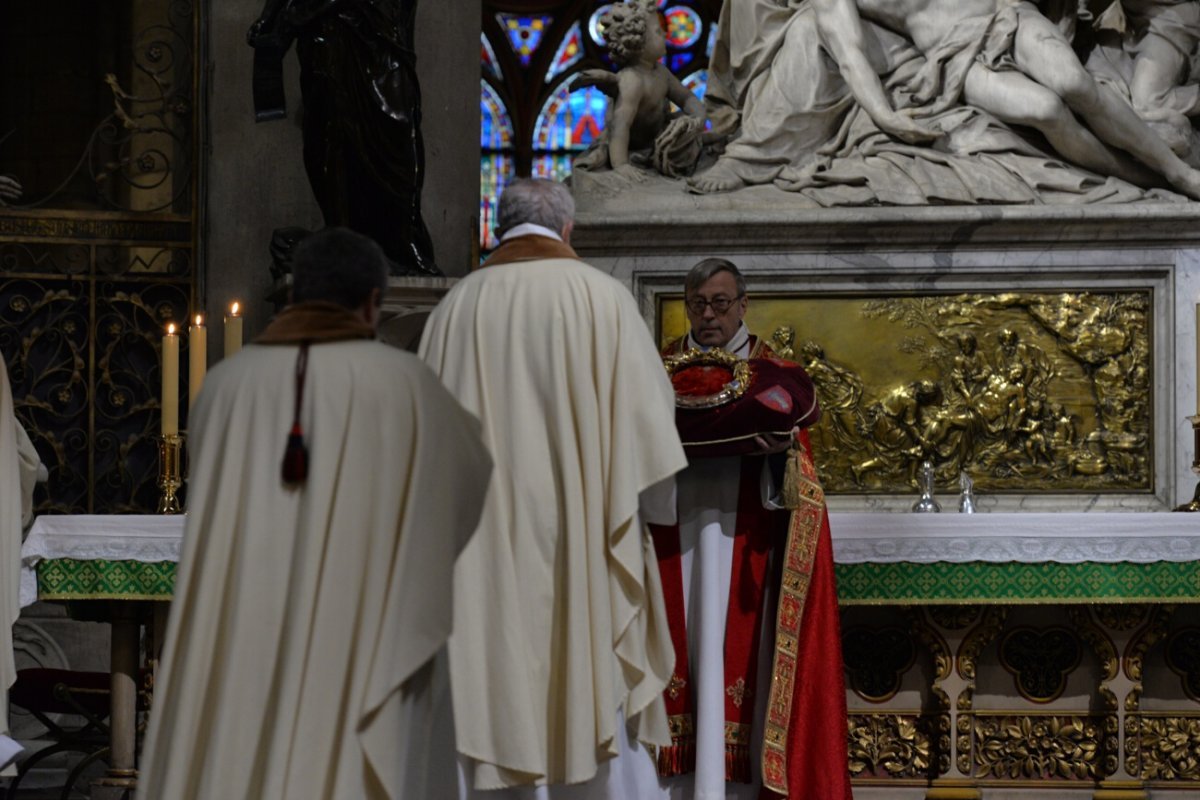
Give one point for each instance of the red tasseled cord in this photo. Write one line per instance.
(295, 457)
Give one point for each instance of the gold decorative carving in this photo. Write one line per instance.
(943, 666)
(1170, 748)
(1110, 664)
(1038, 748)
(954, 618)
(890, 746)
(973, 643)
(1135, 654)
(1025, 391)
(1121, 616)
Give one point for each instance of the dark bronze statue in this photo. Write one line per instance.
(361, 118)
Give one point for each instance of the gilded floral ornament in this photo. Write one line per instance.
(892, 746)
(1170, 748)
(1038, 748)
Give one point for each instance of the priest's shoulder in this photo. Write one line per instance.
(542, 273)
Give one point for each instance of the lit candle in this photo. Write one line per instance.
(1198, 359)
(170, 382)
(197, 358)
(233, 330)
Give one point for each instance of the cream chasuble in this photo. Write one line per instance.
(19, 466)
(10, 544)
(305, 620)
(559, 624)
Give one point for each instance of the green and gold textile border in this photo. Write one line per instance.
(906, 583)
(100, 579)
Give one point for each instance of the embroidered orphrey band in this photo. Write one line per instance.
(801, 549)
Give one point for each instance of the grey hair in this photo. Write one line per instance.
(709, 267)
(339, 266)
(535, 200)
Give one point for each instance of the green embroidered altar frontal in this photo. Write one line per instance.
(907, 583)
(101, 579)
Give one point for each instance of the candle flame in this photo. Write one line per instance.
(170, 329)
(233, 309)
(199, 320)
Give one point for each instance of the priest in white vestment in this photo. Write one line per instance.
(315, 584)
(19, 468)
(559, 654)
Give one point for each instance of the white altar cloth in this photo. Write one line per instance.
(115, 537)
(858, 538)
(1066, 538)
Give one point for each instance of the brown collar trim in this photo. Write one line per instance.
(529, 248)
(315, 321)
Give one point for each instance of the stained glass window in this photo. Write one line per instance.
(683, 27)
(570, 120)
(488, 57)
(496, 131)
(525, 33)
(568, 53)
(594, 24)
(697, 82)
(531, 51)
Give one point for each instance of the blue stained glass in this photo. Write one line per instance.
(697, 82)
(570, 120)
(496, 128)
(495, 171)
(712, 40)
(677, 62)
(488, 57)
(554, 166)
(525, 33)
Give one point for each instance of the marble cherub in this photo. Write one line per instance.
(640, 129)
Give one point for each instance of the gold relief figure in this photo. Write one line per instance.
(1024, 364)
(897, 427)
(969, 370)
(840, 393)
(782, 341)
(1037, 446)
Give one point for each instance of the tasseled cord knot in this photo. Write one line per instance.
(295, 457)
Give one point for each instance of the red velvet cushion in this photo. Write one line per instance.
(779, 398)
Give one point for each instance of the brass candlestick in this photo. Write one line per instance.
(170, 472)
(1194, 505)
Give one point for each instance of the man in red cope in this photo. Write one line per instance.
(757, 699)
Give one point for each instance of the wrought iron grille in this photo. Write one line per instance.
(96, 259)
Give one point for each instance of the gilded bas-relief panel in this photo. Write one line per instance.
(1024, 391)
